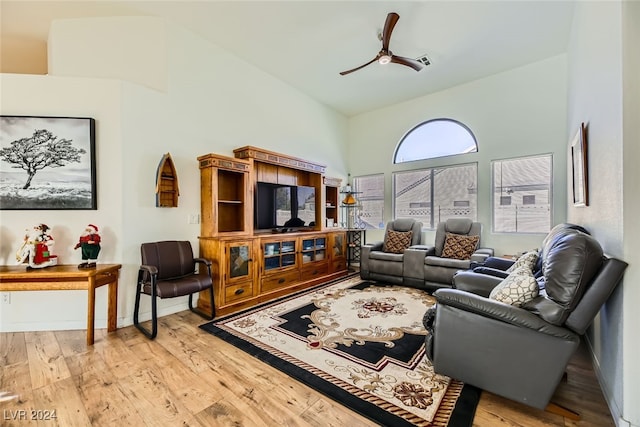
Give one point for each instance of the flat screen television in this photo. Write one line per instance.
(284, 206)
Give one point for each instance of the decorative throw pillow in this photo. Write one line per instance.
(397, 241)
(458, 246)
(525, 260)
(517, 288)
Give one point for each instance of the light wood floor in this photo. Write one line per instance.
(187, 377)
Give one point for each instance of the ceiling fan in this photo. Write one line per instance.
(385, 55)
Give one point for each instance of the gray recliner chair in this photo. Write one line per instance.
(380, 265)
(428, 269)
(521, 352)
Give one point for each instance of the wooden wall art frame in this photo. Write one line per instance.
(580, 167)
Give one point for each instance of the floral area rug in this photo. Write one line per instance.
(360, 344)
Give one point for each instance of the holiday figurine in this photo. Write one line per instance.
(36, 249)
(89, 242)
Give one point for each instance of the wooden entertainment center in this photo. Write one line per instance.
(252, 265)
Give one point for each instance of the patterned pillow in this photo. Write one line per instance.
(397, 241)
(526, 260)
(457, 246)
(517, 288)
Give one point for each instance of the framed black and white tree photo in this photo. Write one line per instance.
(47, 163)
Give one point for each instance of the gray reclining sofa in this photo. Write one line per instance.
(521, 352)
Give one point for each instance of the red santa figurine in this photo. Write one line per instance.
(89, 242)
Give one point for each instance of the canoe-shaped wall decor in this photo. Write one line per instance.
(167, 191)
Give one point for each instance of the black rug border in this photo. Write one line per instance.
(461, 416)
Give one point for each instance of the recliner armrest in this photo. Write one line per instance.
(499, 311)
(477, 283)
(491, 271)
(481, 254)
(374, 246)
(413, 262)
(365, 254)
(430, 250)
(499, 263)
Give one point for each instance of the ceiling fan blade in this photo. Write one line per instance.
(344, 73)
(407, 61)
(392, 18)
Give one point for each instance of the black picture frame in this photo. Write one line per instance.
(47, 163)
(580, 167)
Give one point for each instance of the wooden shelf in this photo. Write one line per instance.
(331, 200)
(272, 264)
(224, 195)
(167, 191)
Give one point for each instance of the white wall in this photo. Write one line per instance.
(112, 53)
(515, 113)
(603, 92)
(631, 228)
(213, 102)
(70, 97)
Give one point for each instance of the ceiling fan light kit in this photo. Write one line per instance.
(384, 59)
(385, 56)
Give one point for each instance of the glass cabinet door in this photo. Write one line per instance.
(313, 249)
(271, 255)
(279, 254)
(239, 259)
(338, 245)
(288, 253)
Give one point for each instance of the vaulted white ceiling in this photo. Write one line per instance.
(307, 43)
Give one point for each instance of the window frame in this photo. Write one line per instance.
(427, 123)
(362, 196)
(495, 197)
(434, 218)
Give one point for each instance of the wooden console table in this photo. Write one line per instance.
(67, 278)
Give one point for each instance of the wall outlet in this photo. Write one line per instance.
(6, 298)
(194, 219)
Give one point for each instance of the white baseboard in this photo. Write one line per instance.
(177, 305)
(613, 408)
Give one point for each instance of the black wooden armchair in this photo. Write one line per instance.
(168, 270)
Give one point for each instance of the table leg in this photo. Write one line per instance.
(113, 305)
(91, 309)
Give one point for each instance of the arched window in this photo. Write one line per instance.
(435, 138)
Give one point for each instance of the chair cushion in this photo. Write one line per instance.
(436, 261)
(458, 225)
(172, 258)
(457, 246)
(397, 241)
(401, 224)
(528, 260)
(517, 288)
(386, 256)
(180, 287)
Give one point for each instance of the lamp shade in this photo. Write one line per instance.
(349, 200)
